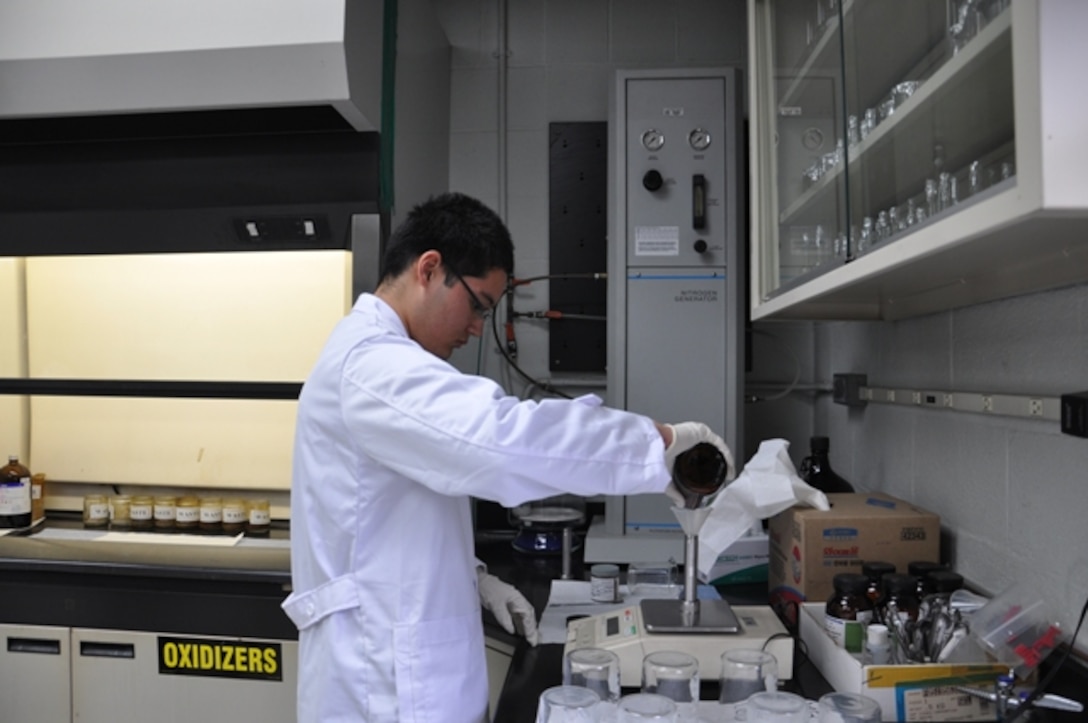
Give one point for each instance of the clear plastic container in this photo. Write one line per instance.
(653, 580)
(1017, 628)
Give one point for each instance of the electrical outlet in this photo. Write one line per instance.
(846, 389)
(987, 403)
(1035, 407)
(1075, 414)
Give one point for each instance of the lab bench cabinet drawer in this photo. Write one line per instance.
(35, 669)
(122, 675)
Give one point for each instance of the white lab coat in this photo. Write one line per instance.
(391, 442)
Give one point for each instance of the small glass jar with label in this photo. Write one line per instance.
(142, 511)
(235, 515)
(187, 514)
(260, 518)
(165, 513)
(96, 512)
(604, 583)
(121, 512)
(211, 515)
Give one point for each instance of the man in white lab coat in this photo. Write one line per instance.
(391, 443)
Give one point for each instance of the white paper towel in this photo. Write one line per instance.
(768, 484)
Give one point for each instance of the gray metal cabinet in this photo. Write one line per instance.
(35, 670)
(126, 675)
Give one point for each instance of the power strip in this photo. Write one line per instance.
(1005, 405)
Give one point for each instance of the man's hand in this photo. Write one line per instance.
(510, 608)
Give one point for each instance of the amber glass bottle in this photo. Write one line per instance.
(699, 472)
(14, 494)
(816, 468)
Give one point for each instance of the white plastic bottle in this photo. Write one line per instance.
(877, 645)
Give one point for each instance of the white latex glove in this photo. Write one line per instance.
(686, 435)
(510, 608)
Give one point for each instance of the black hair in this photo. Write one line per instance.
(471, 237)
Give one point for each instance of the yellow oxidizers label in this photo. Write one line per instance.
(220, 658)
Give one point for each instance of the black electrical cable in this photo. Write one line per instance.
(495, 324)
(1028, 703)
(509, 360)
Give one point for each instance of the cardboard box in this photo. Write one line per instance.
(809, 547)
(921, 692)
(746, 560)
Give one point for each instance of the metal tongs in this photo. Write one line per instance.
(1007, 699)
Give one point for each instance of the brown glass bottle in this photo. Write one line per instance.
(900, 596)
(875, 572)
(848, 611)
(699, 472)
(816, 468)
(921, 570)
(15, 494)
(943, 583)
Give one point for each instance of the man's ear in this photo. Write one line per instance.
(428, 264)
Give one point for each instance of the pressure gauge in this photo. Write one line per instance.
(653, 139)
(699, 139)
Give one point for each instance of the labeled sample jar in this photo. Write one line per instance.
(96, 512)
(604, 583)
(235, 515)
(848, 611)
(187, 514)
(121, 512)
(260, 518)
(211, 515)
(165, 513)
(15, 494)
(142, 511)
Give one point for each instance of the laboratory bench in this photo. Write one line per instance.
(535, 669)
(204, 589)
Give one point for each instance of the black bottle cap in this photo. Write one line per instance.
(820, 444)
(922, 568)
(850, 583)
(898, 583)
(876, 571)
(942, 581)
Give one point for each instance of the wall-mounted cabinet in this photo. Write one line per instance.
(914, 157)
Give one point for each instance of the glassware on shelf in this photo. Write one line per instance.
(974, 178)
(865, 239)
(868, 122)
(853, 131)
(882, 229)
(932, 199)
(902, 91)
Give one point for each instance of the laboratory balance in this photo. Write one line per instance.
(702, 628)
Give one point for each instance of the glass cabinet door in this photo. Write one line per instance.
(929, 111)
(809, 147)
(887, 116)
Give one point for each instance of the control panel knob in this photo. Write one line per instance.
(700, 246)
(652, 181)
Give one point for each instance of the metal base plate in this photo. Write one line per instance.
(674, 616)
